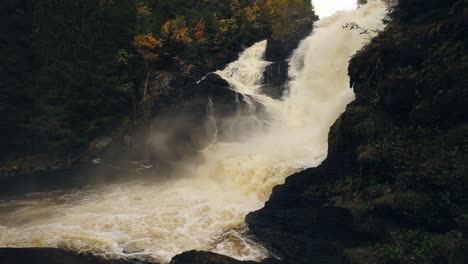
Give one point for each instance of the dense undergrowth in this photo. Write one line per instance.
(406, 149)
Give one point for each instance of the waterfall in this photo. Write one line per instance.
(205, 208)
(234, 121)
(211, 126)
(246, 73)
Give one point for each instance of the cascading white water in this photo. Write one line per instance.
(245, 75)
(211, 125)
(205, 210)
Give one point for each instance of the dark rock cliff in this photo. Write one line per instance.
(394, 186)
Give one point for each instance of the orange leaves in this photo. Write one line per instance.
(146, 41)
(200, 31)
(189, 31)
(146, 44)
(268, 3)
(176, 30)
(182, 35)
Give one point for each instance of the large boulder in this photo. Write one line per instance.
(301, 228)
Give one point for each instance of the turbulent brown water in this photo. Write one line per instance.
(205, 208)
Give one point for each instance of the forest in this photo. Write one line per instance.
(70, 69)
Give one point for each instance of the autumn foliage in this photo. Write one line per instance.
(147, 46)
(200, 29)
(194, 27)
(176, 30)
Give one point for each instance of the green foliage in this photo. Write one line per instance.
(70, 69)
(412, 244)
(413, 76)
(72, 60)
(416, 246)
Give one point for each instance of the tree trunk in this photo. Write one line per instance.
(146, 82)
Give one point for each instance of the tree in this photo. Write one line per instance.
(176, 30)
(146, 45)
(200, 29)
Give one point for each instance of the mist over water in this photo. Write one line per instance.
(204, 209)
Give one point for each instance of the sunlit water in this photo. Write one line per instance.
(205, 210)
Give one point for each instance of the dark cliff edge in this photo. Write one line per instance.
(394, 188)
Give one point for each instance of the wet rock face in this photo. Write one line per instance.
(274, 79)
(223, 97)
(278, 52)
(276, 74)
(187, 117)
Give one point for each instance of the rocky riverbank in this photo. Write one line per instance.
(394, 186)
